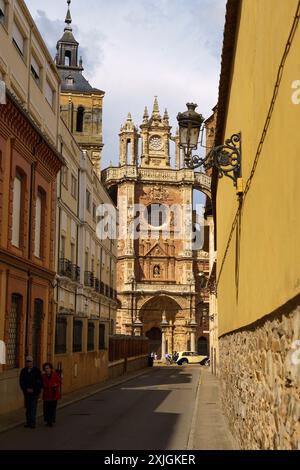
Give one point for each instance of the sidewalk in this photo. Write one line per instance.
(210, 428)
(17, 418)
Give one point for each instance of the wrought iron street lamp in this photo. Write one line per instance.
(226, 158)
(206, 315)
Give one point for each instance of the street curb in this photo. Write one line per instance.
(83, 397)
(191, 439)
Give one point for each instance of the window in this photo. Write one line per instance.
(49, 94)
(77, 336)
(2, 11)
(18, 39)
(35, 69)
(88, 200)
(94, 212)
(73, 253)
(70, 81)
(17, 197)
(79, 123)
(74, 186)
(101, 336)
(64, 176)
(61, 336)
(91, 336)
(86, 260)
(157, 215)
(112, 326)
(13, 339)
(63, 247)
(93, 265)
(68, 58)
(38, 225)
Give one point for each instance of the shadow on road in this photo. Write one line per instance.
(150, 412)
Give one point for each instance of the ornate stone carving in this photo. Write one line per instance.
(158, 194)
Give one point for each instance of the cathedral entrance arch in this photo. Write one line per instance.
(163, 322)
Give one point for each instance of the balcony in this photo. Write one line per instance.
(75, 273)
(65, 268)
(97, 285)
(88, 279)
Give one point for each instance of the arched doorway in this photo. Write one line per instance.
(153, 312)
(203, 346)
(155, 337)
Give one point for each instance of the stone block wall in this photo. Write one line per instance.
(260, 383)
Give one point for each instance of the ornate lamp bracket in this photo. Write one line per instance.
(226, 158)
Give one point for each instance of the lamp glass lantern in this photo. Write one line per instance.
(190, 123)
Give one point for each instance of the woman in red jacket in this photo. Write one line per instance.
(51, 393)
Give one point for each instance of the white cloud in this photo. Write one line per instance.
(135, 49)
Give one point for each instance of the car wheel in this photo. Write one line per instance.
(183, 362)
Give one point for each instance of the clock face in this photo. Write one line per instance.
(155, 142)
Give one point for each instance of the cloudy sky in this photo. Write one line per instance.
(136, 49)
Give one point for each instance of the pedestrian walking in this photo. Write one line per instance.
(31, 384)
(51, 393)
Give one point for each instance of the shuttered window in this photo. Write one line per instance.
(18, 38)
(61, 336)
(102, 336)
(35, 69)
(77, 336)
(49, 94)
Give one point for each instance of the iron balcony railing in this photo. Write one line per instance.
(89, 279)
(65, 268)
(97, 285)
(75, 273)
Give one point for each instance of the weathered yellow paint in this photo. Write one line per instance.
(262, 267)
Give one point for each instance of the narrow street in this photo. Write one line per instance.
(151, 412)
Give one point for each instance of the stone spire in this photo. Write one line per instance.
(129, 124)
(68, 19)
(166, 117)
(146, 116)
(155, 112)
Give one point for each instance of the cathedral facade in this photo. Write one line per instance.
(160, 266)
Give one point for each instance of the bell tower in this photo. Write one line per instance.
(67, 46)
(156, 135)
(81, 104)
(129, 143)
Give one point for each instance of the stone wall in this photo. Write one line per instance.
(260, 380)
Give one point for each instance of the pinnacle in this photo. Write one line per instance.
(68, 19)
(155, 107)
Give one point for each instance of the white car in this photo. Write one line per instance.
(189, 357)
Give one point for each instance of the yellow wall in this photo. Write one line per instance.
(15, 69)
(269, 252)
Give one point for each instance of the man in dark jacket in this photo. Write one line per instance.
(31, 385)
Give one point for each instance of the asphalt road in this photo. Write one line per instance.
(150, 412)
